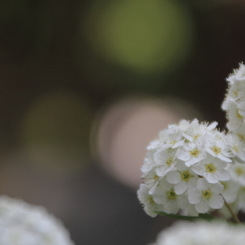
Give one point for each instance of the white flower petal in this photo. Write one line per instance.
(223, 175)
(210, 178)
(173, 177)
(181, 187)
(194, 196)
(202, 207)
(216, 202)
(224, 158)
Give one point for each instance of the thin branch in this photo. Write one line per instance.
(234, 216)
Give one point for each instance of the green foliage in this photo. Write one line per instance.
(189, 218)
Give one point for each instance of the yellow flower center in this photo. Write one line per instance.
(195, 152)
(169, 161)
(239, 171)
(185, 175)
(156, 177)
(238, 114)
(235, 148)
(210, 168)
(196, 136)
(150, 200)
(241, 137)
(171, 195)
(216, 149)
(206, 194)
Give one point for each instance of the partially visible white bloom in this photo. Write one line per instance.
(237, 172)
(25, 224)
(149, 162)
(194, 130)
(235, 119)
(234, 103)
(201, 233)
(147, 200)
(230, 191)
(165, 160)
(236, 146)
(237, 75)
(206, 196)
(217, 146)
(171, 138)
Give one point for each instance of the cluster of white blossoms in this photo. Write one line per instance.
(184, 169)
(194, 168)
(25, 224)
(201, 233)
(234, 105)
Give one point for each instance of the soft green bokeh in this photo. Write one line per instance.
(146, 36)
(55, 132)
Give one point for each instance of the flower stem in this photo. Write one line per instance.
(234, 216)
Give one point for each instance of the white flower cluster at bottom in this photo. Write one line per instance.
(25, 224)
(201, 233)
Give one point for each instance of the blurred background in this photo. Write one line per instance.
(84, 87)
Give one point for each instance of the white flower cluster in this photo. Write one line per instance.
(25, 224)
(192, 167)
(184, 169)
(234, 105)
(201, 233)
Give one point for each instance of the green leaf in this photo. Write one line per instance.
(189, 218)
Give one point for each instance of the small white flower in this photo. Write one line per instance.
(147, 200)
(192, 153)
(172, 137)
(195, 130)
(181, 178)
(236, 120)
(212, 169)
(236, 146)
(151, 179)
(206, 196)
(236, 93)
(149, 162)
(165, 160)
(217, 146)
(167, 196)
(237, 172)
